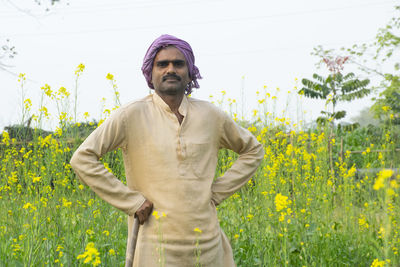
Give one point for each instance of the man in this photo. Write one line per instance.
(170, 146)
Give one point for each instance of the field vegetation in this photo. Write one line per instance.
(323, 196)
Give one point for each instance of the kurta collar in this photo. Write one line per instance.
(160, 102)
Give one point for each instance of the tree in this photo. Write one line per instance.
(335, 88)
(387, 105)
(388, 44)
(371, 58)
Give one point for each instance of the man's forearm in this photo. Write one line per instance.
(93, 173)
(238, 175)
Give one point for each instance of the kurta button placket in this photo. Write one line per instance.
(182, 146)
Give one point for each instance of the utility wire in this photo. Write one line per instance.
(107, 7)
(244, 19)
(132, 5)
(152, 4)
(122, 7)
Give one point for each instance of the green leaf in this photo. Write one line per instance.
(326, 113)
(356, 95)
(310, 93)
(348, 76)
(322, 121)
(319, 78)
(339, 77)
(339, 115)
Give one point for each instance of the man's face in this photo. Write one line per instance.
(170, 73)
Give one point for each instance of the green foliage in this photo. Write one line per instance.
(387, 40)
(79, 130)
(335, 88)
(48, 218)
(314, 89)
(24, 133)
(388, 102)
(387, 45)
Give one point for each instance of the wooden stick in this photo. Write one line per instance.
(132, 244)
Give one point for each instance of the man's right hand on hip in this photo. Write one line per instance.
(144, 211)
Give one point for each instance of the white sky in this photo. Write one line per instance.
(267, 42)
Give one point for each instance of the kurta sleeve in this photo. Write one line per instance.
(250, 152)
(112, 134)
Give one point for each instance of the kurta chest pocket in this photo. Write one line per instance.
(203, 159)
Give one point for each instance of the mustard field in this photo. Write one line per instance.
(323, 196)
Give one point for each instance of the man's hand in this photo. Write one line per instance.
(144, 211)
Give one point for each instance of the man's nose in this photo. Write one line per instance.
(171, 68)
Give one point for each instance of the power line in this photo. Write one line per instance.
(152, 4)
(130, 5)
(122, 6)
(119, 29)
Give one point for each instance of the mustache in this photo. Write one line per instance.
(174, 76)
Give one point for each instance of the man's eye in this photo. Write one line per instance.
(179, 64)
(162, 64)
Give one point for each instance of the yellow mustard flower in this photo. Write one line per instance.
(91, 255)
(281, 202)
(378, 263)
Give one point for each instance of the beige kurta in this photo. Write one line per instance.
(172, 165)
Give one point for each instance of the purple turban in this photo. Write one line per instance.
(164, 41)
